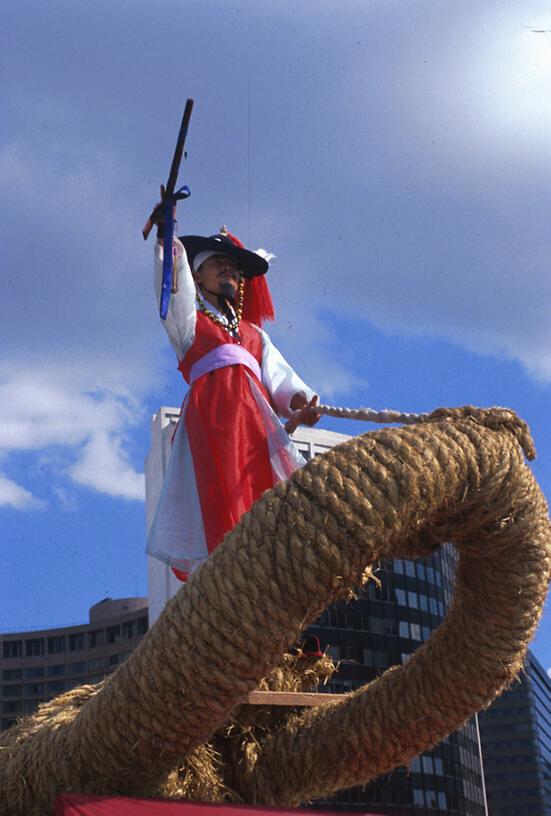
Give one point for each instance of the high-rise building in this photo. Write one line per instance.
(516, 746)
(382, 628)
(38, 665)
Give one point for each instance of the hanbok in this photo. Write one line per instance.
(229, 445)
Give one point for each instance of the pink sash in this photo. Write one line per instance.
(227, 354)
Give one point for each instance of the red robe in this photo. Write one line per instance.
(226, 431)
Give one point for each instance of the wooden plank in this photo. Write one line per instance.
(291, 698)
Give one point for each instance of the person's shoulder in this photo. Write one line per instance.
(255, 326)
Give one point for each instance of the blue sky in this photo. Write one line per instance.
(393, 156)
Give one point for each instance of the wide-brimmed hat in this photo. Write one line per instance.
(249, 262)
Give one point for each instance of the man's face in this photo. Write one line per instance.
(219, 274)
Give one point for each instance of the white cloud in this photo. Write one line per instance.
(430, 217)
(15, 496)
(104, 467)
(55, 407)
(80, 329)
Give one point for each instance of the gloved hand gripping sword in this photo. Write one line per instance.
(164, 211)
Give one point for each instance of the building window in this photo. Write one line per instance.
(113, 660)
(56, 686)
(56, 671)
(403, 629)
(12, 674)
(415, 631)
(113, 634)
(12, 648)
(12, 707)
(76, 642)
(56, 645)
(426, 762)
(12, 691)
(73, 682)
(438, 767)
(34, 671)
(374, 657)
(128, 629)
(142, 625)
(95, 638)
(412, 600)
(76, 668)
(34, 688)
(418, 798)
(421, 573)
(34, 647)
(96, 663)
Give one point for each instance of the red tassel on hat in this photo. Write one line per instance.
(257, 301)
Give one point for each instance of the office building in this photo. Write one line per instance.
(516, 746)
(381, 629)
(38, 665)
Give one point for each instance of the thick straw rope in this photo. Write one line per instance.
(395, 492)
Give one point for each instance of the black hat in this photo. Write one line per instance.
(225, 243)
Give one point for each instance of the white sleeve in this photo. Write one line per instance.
(181, 317)
(279, 378)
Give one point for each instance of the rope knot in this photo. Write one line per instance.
(496, 419)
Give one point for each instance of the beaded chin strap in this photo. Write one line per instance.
(229, 325)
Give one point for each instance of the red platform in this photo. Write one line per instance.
(83, 805)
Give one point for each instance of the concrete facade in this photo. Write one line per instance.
(40, 664)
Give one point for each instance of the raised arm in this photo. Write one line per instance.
(180, 320)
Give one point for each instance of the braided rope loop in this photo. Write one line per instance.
(398, 492)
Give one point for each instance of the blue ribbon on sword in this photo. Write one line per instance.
(170, 198)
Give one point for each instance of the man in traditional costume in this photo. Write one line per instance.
(229, 445)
